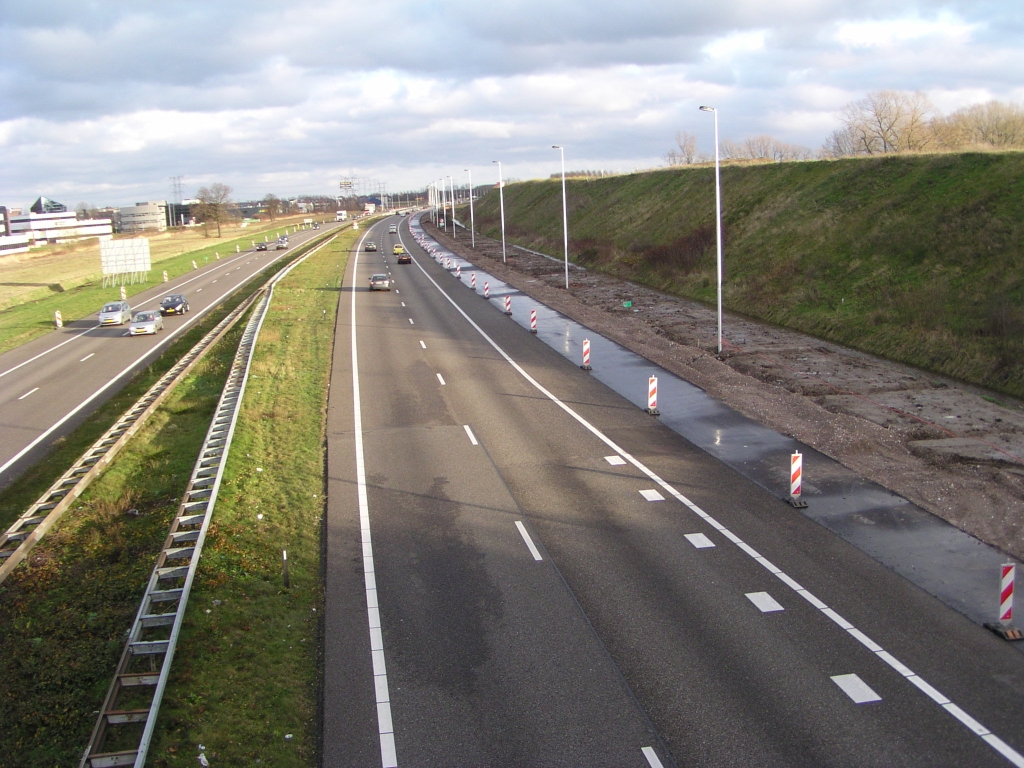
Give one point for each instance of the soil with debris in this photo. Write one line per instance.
(952, 449)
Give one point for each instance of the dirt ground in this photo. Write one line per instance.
(952, 449)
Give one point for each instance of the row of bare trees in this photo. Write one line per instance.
(880, 123)
(761, 147)
(896, 121)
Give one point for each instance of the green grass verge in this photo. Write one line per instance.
(23, 322)
(918, 258)
(245, 674)
(63, 614)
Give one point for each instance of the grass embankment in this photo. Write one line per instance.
(67, 277)
(245, 676)
(63, 615)
(919, 259)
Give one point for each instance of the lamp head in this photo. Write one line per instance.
(707, 109)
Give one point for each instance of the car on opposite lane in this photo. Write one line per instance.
(174, 304)
(282, 242)
(146, 322)
(380, 283)
(115, 313)
(261, 246)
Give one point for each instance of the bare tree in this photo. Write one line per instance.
(687, 153)
(994, 124)
(889, 121)
(273, 204)
(213, 203)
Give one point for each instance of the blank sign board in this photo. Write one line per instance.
(120, 256)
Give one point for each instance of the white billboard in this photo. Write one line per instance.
(125, 256)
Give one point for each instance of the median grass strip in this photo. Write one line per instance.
(67, 277)
(244, 682)
(65, 611)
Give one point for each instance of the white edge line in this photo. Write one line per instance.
(385, 725)
(1000, 746)
(529, 542)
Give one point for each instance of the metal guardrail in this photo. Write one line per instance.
(136, 691)
(36, 521)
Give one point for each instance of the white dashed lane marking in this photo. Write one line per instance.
(472, 437)
(699, 540)
(28, 393)
(615, 461)
(652, 758)
(652, 495)
(423, 345)
(529, 542)
(441, 379)
(856, 689)
(764, 602)
(87, 357)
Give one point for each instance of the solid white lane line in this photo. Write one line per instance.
(28, 393)
(529, 542)
(652, 495)
(472, 437)
(1000, 746)
(765, 603)
(87, 357)
(652, 758)
(440, 378)
(699, 540)
(385, 725)
(856, 689)
(423, 345)
(615, 461)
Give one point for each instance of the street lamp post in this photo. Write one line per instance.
(565, 217)
(501, 201)
(718, 222)
(472, 221)
(451, 184)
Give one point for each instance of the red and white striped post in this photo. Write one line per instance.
(508, 305)
(57, 319)
(796, 480)
(487, 290)
(447, 263)
(124, 294)
(533, 321)
(652, 396)
(586, 355)
(1008, 572)
(458, 271)
(472, 280)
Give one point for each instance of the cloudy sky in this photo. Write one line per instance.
(104, 100)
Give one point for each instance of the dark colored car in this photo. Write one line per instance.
(174, 304)
(261, 246)
(405, 258)
(371, 246)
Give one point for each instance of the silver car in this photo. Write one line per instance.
(145, 322)
(380, 283)
(115, 313)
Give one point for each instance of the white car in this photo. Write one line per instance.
(115, 313)
(145, 322)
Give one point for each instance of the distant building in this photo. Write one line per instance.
(46, 205)
(57, 226)
(142, 217)
(10, 243)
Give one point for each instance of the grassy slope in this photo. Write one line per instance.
(919, 259)
(245, 674)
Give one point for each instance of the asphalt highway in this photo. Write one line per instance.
(52, 384)
(524, 569)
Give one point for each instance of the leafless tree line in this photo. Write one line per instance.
(896, 121)
(761, 147)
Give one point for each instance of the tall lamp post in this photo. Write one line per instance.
(565, 217)
(472, 221)
(718, 218)
(451, 185)
(501, 201)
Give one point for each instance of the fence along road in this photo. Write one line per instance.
(154, 632)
